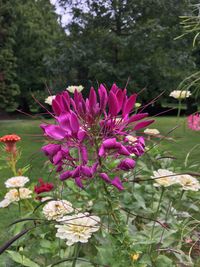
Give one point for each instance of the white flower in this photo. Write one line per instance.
(4, 203)
(77, 228)
(188, 182)
(17, 181)
(151, 131)
(45, 199)
(168, 179)
(49, 99)
(55, 209)
(137, 105)
(72, 88)
(15, 195)
(180, 94)
(131, 139)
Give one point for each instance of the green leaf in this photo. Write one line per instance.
(24, 261)
(163, 261)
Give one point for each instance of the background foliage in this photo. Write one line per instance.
(104, 41)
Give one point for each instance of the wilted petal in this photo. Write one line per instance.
(85, 170)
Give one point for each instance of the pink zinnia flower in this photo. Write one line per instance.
(194, 122)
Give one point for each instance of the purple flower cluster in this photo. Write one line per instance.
(91, 133)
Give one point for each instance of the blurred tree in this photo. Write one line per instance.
(8, 86)
(31, 46)
(115, 39)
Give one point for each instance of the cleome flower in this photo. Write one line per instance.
(163, 177)
(194, 122)
(77, 228)
(10, 142)
(74, 88)
(49, 99)
(89, 132)
(15, 195)
(17, 181)
(151, 131)
(55, 209)
(180, 94)
(188, 182)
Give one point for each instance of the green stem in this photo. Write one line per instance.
(179, 109)
(156, 215)
(76, 252)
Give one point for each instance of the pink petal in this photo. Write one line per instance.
(129, 105)
(142, 124)
(113, 104)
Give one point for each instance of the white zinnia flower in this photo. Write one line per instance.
(4, 203)
(180, 94)
(151, 131)
(55, 209)
(188, 182)
(17, 181)
(168, 179)
(77, 228)
(49, 99)
(15, 195)
(72, 88)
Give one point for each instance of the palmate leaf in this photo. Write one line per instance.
(24, 261)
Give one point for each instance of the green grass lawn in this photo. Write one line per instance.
(183, 141)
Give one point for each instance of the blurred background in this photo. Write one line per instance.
(47, 45)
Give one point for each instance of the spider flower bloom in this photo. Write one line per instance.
(10, 142)
(43, 187)
(90, 131)
(194, 122)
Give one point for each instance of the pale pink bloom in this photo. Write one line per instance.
(194, 122)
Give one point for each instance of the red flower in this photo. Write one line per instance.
(43, 187)
(10, 142)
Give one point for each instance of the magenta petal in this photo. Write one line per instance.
(101, 151)
(74, 123)
(142, 124)
(117, 183)
(65, 175)
(105, 177)
(56, 107)
(92, 98)
(114, 88)
(113, 104)
(120, 99)
(54, 132)
(84, 154)
(111, 143)
(51, 149)
(129, 105)
(126, 164)
(85, 170)
(79, 182)
(103, 97)
(123, 151)
(137, 117)
(57, 158)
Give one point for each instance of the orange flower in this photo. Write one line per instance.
(10, 142)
